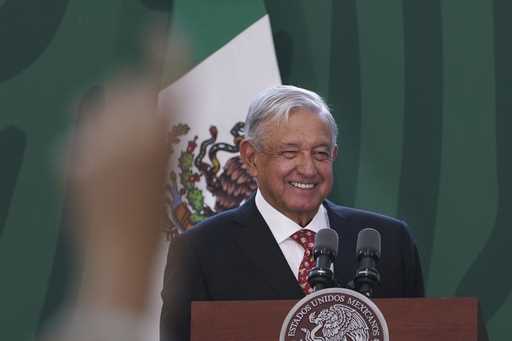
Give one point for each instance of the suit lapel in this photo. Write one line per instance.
(259, 245)
(344, 264)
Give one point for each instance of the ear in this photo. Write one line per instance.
(248, 155)
(335, 152)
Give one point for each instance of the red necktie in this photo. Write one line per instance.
(306, 239)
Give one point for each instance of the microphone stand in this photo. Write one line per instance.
(321, 276)
(367, 277)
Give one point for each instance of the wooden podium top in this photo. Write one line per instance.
(430, 319)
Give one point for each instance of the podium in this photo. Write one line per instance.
(418, 319)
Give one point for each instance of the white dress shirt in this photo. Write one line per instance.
(283, 227)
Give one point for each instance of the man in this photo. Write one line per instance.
(262, 249)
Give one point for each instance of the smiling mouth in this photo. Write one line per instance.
(302, 185)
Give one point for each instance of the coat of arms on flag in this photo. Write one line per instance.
(208, 175)
(199, 169)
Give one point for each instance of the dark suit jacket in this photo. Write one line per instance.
(234, 256)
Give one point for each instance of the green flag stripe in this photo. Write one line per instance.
(208, 27)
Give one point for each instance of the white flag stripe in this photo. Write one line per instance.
(217, 92)
(219, 89)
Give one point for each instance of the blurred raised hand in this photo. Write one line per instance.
(117, 173)
(114, 164)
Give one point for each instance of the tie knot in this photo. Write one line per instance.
(305, 238)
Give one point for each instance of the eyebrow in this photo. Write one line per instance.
(296, 145)
(323, 145)
(289, 145)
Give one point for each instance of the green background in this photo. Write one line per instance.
(421, 91)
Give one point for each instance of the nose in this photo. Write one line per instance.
(306, 165)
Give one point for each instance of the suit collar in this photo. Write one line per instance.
(248, 215)
(260, 247)
(337, 214)
(281, 226)
(339, 219)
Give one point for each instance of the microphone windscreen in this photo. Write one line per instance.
(369, 239)
(327, 239)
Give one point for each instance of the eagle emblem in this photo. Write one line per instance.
(337, 323)
(334, 314)
(199, 169)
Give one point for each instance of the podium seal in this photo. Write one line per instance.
(334, 314)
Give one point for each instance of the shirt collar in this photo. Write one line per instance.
(283, 227)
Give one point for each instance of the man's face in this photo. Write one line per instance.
(294, 166)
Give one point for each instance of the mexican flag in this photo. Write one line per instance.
(233, 60)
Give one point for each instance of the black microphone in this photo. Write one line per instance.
(367, 277)
(325, 251)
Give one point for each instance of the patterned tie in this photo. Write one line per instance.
(306, 239)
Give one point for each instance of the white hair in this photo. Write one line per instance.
(276, 104)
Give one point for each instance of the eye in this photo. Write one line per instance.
(321, 155)
(288, 154)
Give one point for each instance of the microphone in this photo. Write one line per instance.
(324, 253)
(367, 276)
